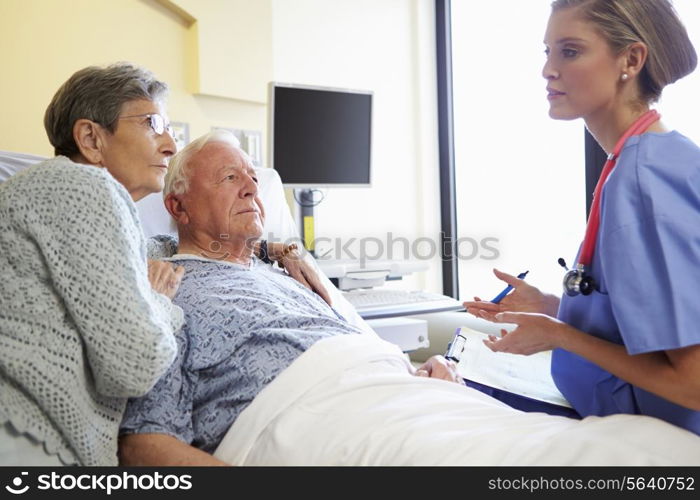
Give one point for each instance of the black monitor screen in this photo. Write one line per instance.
(321, 137)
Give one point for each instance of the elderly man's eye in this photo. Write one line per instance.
(231, 177)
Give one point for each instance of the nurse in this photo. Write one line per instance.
(626, 334)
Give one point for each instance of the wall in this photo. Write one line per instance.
(381, 45)
(42, 42)
(387, 47)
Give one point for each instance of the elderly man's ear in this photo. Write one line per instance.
(176, 208)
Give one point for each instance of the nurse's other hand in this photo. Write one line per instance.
(534, 333)
(439, 367)
(523, 298)
(164, 277)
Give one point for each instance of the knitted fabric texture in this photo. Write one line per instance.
(81, 329)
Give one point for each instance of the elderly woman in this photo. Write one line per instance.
(85, 321)
(81, 328)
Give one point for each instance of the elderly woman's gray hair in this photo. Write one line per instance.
(177, 178)
(97, 94)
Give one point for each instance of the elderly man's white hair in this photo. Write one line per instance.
(177, 178)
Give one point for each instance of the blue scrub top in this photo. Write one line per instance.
(647, 266)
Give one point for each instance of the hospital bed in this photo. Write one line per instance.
(491, 437)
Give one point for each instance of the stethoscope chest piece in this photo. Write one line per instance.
(577, 281)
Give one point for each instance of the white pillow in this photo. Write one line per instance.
(11, 163)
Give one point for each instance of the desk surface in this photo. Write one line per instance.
(373, 304)
(406, 310)
(347, 267)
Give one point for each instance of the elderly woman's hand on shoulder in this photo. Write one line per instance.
(289, 258)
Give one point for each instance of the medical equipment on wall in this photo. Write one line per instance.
(577, 280)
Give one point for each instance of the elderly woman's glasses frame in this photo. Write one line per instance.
(155, 121)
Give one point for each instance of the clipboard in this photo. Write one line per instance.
(527, 376)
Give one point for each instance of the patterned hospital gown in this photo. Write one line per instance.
(243, 327)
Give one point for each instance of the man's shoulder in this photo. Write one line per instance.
(203, 266)
(161, 246)
(204, 280)
(209, 285)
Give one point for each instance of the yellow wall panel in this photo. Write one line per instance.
(42, 42)
(234, 46)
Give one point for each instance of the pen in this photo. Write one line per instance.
(456, 347)
(507, 289)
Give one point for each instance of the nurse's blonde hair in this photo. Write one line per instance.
(655, 23)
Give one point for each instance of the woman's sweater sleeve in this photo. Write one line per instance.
(96, 256)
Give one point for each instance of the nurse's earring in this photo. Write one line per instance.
(624, 77)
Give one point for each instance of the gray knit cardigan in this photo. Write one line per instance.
(81, 330)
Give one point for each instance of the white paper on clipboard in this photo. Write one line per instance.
(524, 375)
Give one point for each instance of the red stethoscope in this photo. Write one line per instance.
(578, 281)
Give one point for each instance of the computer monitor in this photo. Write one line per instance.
(320, 137)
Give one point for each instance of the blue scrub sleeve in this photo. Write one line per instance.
(652, 270)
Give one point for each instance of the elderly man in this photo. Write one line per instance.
(267, 372)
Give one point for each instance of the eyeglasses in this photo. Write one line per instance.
(155, 121)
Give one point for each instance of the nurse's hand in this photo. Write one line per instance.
(523, 298)
(534, 333)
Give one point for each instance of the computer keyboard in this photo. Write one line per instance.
(379, 303)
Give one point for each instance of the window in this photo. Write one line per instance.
(679, 102)
(519, 175)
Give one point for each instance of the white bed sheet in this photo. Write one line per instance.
(349, 400)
